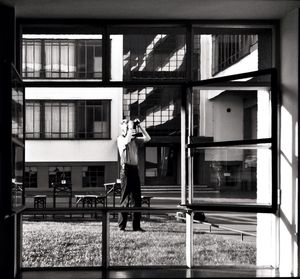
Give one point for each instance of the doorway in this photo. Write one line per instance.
(161, 165)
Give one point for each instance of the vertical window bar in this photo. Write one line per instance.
(85, 59)
(43, 59)
(60, 44)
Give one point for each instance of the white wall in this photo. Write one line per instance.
(277, 235)
(72, 150)
(288, 259)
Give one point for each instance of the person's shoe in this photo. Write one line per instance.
(139, 230)
(122, 229)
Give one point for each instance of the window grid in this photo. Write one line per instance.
(164, 57)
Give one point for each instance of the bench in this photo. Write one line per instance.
(89, 201)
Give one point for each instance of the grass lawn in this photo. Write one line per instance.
(50, 243)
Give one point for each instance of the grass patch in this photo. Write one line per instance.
(57, 244)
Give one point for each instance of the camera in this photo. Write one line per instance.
(136, 122)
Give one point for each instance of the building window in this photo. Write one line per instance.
(59, 119)
(68, 119)
(59, 175)
(30, 177)
(154, 52)
(229, 49)
(93, 119)
(93, 176)
(62, 58)
(33, 113)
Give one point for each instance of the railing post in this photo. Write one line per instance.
(189, 216)
(105, 239)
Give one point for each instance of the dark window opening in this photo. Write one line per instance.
(93, 176)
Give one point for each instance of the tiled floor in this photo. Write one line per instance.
(159, 272)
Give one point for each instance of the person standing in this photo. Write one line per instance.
(128, 144)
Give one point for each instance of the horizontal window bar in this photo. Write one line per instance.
(241, 143)
(246, 85)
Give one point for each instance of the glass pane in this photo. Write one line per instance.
(17, 174)
(18, 141)
(162, 243)
(158, 108)
(233, 174)
(151, 162)
(219, 241)
(145, 52)
(227, 115)
(17, 109)
(226, 51)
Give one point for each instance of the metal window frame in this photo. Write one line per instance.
(273, 208)
(184, 84)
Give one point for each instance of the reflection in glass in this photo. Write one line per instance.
(17, 111)
(17, 174)
(158, 108)
(226, 115)
(161, 165)
(223, 243)
(219, 52)
(149, 53)
(243, 172)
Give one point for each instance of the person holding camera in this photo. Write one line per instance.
(128, 143)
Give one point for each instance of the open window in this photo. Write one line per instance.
(231, 142)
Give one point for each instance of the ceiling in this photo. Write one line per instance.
(153, 9)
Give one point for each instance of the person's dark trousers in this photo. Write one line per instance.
(130, 195)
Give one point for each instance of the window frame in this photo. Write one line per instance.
(190, 27)
(258, 208)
